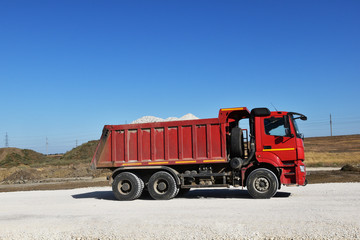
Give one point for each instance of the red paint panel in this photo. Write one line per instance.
(146, 152)
(133, 144)
(102, 157)
(215, 140)
(119, 138)
(173, 143)
(177, 142)
(201, 141)
(159, 144)
(187, 142)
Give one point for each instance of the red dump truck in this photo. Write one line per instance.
(168, 158)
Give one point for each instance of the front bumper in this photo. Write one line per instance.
(301, 173)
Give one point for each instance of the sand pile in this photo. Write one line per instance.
(148, 119)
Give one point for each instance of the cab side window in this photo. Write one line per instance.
(275, 126)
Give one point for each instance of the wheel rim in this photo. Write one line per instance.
(262, 184)
(124, 187)
(161, 186)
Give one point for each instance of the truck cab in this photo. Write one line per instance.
(272, 156)
(280, 143)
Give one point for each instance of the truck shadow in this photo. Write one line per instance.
(225, 193)
(193, 194)
(101, 195)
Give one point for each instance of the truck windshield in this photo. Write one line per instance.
(295, 116)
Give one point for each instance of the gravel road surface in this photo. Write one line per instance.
(317, 211)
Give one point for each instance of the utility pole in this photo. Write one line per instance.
(47, 146)
(76, 143)
(330, 126)
(6, 140)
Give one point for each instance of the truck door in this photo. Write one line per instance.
(277, 137)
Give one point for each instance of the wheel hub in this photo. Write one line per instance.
(262, 184)
(161, 186)
(125, 187)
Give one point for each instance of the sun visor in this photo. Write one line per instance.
(260, 112)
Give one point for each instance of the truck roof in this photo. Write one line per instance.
(236, 113)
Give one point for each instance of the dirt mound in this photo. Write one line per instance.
(11, 157)
(26, 174)
(21, 176)
(350, 168)
(14, 157)
(6, 151)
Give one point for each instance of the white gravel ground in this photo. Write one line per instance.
(317, 211)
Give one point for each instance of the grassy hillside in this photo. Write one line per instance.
(11, 157)
(332, 151)
(83, 153)
(319, 151)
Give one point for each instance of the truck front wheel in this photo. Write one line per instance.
(262, 183)
(162, 186)
(127, 186)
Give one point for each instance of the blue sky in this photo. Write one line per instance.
(69, 67)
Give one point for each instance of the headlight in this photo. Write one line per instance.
(302, 168)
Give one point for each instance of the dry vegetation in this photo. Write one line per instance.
(23, 165)
(332, 151)
(14, 157)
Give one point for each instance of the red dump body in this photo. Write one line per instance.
(166, 143)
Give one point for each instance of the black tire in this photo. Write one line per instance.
(262, 183)
(162, 186)
(237, 143)
(176, 192)
(142, 186)
(127, 186)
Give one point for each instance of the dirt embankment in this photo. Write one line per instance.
(347, 173)
(24, 174)
(26, 178)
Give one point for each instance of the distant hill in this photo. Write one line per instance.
(83, 153)
(319, 151)
(11, 157)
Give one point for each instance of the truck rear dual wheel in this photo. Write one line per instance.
(262, 183)
(127, 186)
(162, 186)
